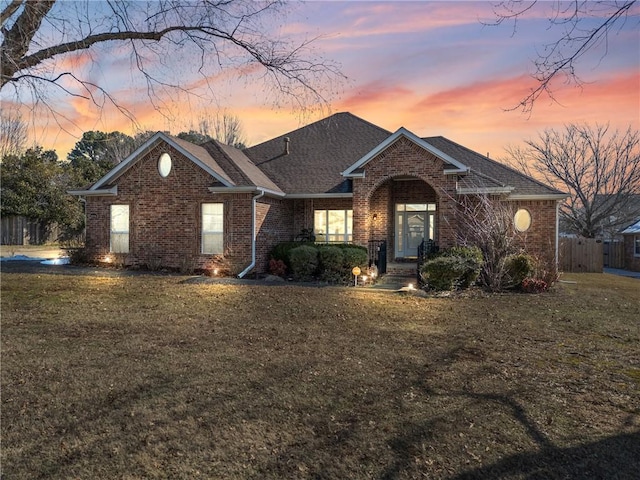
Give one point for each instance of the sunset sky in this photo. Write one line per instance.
(432, 67)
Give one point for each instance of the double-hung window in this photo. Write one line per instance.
(333, 226)
(119, 230)
(636, 245)
(212, 228)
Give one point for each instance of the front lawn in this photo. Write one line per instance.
(148, 377)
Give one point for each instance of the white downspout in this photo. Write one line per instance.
(254, 236)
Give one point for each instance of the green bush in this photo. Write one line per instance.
(331, 262)
(282, 250)
(354, 256)
(471, 259)
(304, 261)
(518, 268)
(443, 273)
(453, 268)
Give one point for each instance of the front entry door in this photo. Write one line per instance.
(414, 223)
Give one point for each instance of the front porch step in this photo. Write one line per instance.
(402, 269)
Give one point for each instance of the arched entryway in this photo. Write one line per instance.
(404, 212)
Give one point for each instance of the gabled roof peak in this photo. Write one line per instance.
(400, 133)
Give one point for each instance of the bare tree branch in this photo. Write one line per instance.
(232, 33)
(598, 168)
(561, 56)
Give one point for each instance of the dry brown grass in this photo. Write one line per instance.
(148, 377)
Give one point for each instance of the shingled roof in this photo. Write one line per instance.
(313, 158)
(490, 169)
(318, 154)
(239, 167)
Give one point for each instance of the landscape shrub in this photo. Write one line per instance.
(471, 260)
(282, 251)
(444, 272)
(331, 263)
(519, 267)
(304, 261)
(77, 255)
(354, 256)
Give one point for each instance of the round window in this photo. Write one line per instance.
(164, 165)
(522, 220)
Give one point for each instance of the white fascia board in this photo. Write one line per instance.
(318, 195)
(109, 192)
(480, 191)
(548, 196)
(144, 148)
(403, 132)
(246, 189)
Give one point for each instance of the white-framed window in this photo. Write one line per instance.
(333, 226)
(119, 229)
(212, 228)
(636, 245)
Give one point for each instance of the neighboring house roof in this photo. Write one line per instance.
(632, 229)
(318, 154)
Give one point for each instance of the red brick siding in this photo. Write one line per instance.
(274, 220)
(540, 239)
(165, 216)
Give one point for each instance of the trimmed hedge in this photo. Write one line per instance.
(331, 263)
(304, 261)
(454, 268)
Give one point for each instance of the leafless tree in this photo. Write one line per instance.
(224, 127)
(209, 36)
(13, 133)
(599, 169)
(584, 26)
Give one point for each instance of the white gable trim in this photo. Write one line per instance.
(403, 132)
(108, 192)
(246, 189)
(143, 149)
(483, 190)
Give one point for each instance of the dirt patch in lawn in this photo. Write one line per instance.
(148, 377)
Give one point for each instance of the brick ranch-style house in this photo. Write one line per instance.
(174, 204)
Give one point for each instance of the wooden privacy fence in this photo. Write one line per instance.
(22, 231)
(581, 255)
(613, 254)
